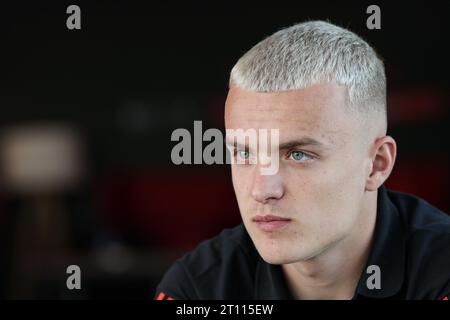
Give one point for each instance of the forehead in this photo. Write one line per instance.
(318, 111)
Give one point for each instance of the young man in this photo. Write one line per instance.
(322, 226)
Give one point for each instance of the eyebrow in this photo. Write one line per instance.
(306, 141)
(302, 142)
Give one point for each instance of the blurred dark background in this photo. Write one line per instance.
(87, 116)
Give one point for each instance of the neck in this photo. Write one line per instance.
(334, 274)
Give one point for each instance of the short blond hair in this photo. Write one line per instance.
(310, 53)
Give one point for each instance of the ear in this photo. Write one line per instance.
(384, 153)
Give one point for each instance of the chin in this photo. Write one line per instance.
(273, 255)
(282, 253)
(285, 259)
(276, 260)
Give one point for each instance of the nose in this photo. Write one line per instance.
(266, 187)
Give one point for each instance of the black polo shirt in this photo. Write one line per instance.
(411, 246)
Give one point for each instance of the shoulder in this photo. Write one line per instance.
(428, 246)
(418, 214)
(219, 267)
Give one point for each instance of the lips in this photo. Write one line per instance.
(268, 218)
(271, 223)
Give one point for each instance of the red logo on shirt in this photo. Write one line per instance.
(163, 296)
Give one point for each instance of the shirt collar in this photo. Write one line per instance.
(270, 283)
(387, 252)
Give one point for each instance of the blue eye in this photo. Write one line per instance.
(298, 156)
(244, 154)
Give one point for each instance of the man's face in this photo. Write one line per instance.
(320, 182)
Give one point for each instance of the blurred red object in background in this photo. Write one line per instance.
(428, 179)
(175, 208)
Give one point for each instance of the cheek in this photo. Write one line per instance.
(327, 195)
(342, 175)
(241, 180)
